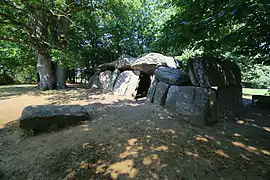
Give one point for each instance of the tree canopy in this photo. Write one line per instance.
(218, 27)
(83, 34)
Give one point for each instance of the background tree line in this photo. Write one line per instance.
(53, 35)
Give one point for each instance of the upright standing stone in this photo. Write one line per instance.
(161, 93)
(229, 98)
(152, 89)
(197, 104)
(115, 75)
(127, 83)
(209, 71)
(105, 80)
(232, 73)
(94, 82)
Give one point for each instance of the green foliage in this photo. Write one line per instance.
(17, 63)
(239, 27)
(256, 76)
(78, 34)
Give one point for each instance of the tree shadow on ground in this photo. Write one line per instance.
(140, 141)
(7, 92)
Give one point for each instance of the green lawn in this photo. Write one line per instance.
(248, 92)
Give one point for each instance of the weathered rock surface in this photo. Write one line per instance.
(161, 93)
(209, 71)
(127, 83)
(229, 98)
(232, 73)
(172, 76)
(122, 64)
(44, 118)
(148, 63)
(152, 89)
(196, 103)
(94, 82)
(105, 79)
(115, 75)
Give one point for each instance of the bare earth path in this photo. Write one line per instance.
(129, 139)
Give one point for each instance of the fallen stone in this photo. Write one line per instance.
(127, 83)
(161, 93)
(172, 76)
(197, 104)
(47, 117)
(148, 63)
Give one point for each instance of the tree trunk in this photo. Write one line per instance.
(73, 76)
(44, 67)
(81, 75)
(61, 77)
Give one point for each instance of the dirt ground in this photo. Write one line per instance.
(129, 139)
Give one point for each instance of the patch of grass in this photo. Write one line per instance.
(248, 92)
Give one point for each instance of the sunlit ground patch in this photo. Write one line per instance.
(222, 153)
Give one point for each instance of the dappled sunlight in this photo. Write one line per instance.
(85, 127)
(245, 157)
(169, 131)
(248, 148)
(2, 126)
(122, 168)
(132, 140)
(250, 122)
(222, 153)
(237, 135)
(267, 128)
(160, 148)
(240, 122)
(193, 154)
(134, 148)
(200, 138)
(265, 152)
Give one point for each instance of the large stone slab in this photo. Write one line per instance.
(148, 63)
(172, 76)
(209, 71)
(44, 118)
(161, 93)
(123, 64)
(127, 83)
(229, 98)
(197, 104)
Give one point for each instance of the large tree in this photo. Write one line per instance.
(44, 26)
